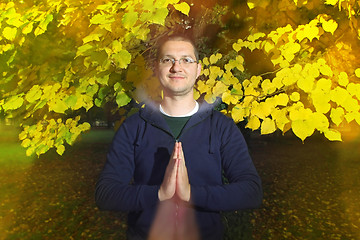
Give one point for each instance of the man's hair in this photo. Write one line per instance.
(175, 37)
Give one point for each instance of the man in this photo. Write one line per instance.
(173, 156)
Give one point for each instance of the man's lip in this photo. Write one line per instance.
(176, 76)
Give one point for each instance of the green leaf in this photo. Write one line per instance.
(122, 58)
(71, 101)
(92, 89)
(159, 16)
(98, 102)
(84, 49)
(122, 99)
(129, 19)
(103, 80)
(103, 92)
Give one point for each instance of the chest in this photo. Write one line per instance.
(153, 152)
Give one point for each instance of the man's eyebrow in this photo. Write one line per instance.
(171, 56)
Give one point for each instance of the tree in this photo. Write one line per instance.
(281, 65)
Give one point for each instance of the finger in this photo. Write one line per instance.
(175, 153)
(181, 152)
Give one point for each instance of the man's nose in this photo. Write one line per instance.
(176, 67)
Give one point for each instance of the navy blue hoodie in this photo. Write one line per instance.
(213, 146)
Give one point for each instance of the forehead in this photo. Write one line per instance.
(177, 48)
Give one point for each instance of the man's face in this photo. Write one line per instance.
(178, 79)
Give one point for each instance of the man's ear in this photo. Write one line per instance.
(198, 70)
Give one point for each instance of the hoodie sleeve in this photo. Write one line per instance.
(243, 190)
(113, 189)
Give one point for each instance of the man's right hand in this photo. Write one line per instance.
(168, 186)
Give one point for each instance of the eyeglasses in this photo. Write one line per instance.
(184, 61)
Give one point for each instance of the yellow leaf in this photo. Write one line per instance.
(330, 26)
(92, 37)
(339, 95)
(331, 2)
(58, 106)
(262, 109)
(228, 78)
(326, 70)
(306, 83)
(295, 96)
(13, 103)
(268, 46)
(282, 99)
(268, 87)
(357, 72)
(320, 121)
(351, 105)
(353, 116)
(33, 94)
(60, 149)
(205, 61)
(159, 16)
(237, 46)
(215, 72)
(202, 87)
(102, 19)
(42, 27)
(183, 8)
(238, 113)
(214, 58)
(311, 32)
(268, 126)
(229, 99)
(337, 115)
(354, 89)
(254, 123)
(15, 20)
(9, 33)
(209, 97)
(280, 118)
(302, 128)
(343, 79)
(323, 85)
(321, 103)
(333, 135)
(28, 28)
(219, 88)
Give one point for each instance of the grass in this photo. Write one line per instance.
(311, 191)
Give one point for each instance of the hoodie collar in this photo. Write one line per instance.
(151, 114)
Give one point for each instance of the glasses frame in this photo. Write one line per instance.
(182, 61)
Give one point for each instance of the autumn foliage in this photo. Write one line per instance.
(280, 65)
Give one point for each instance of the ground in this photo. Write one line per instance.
(311, 191)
